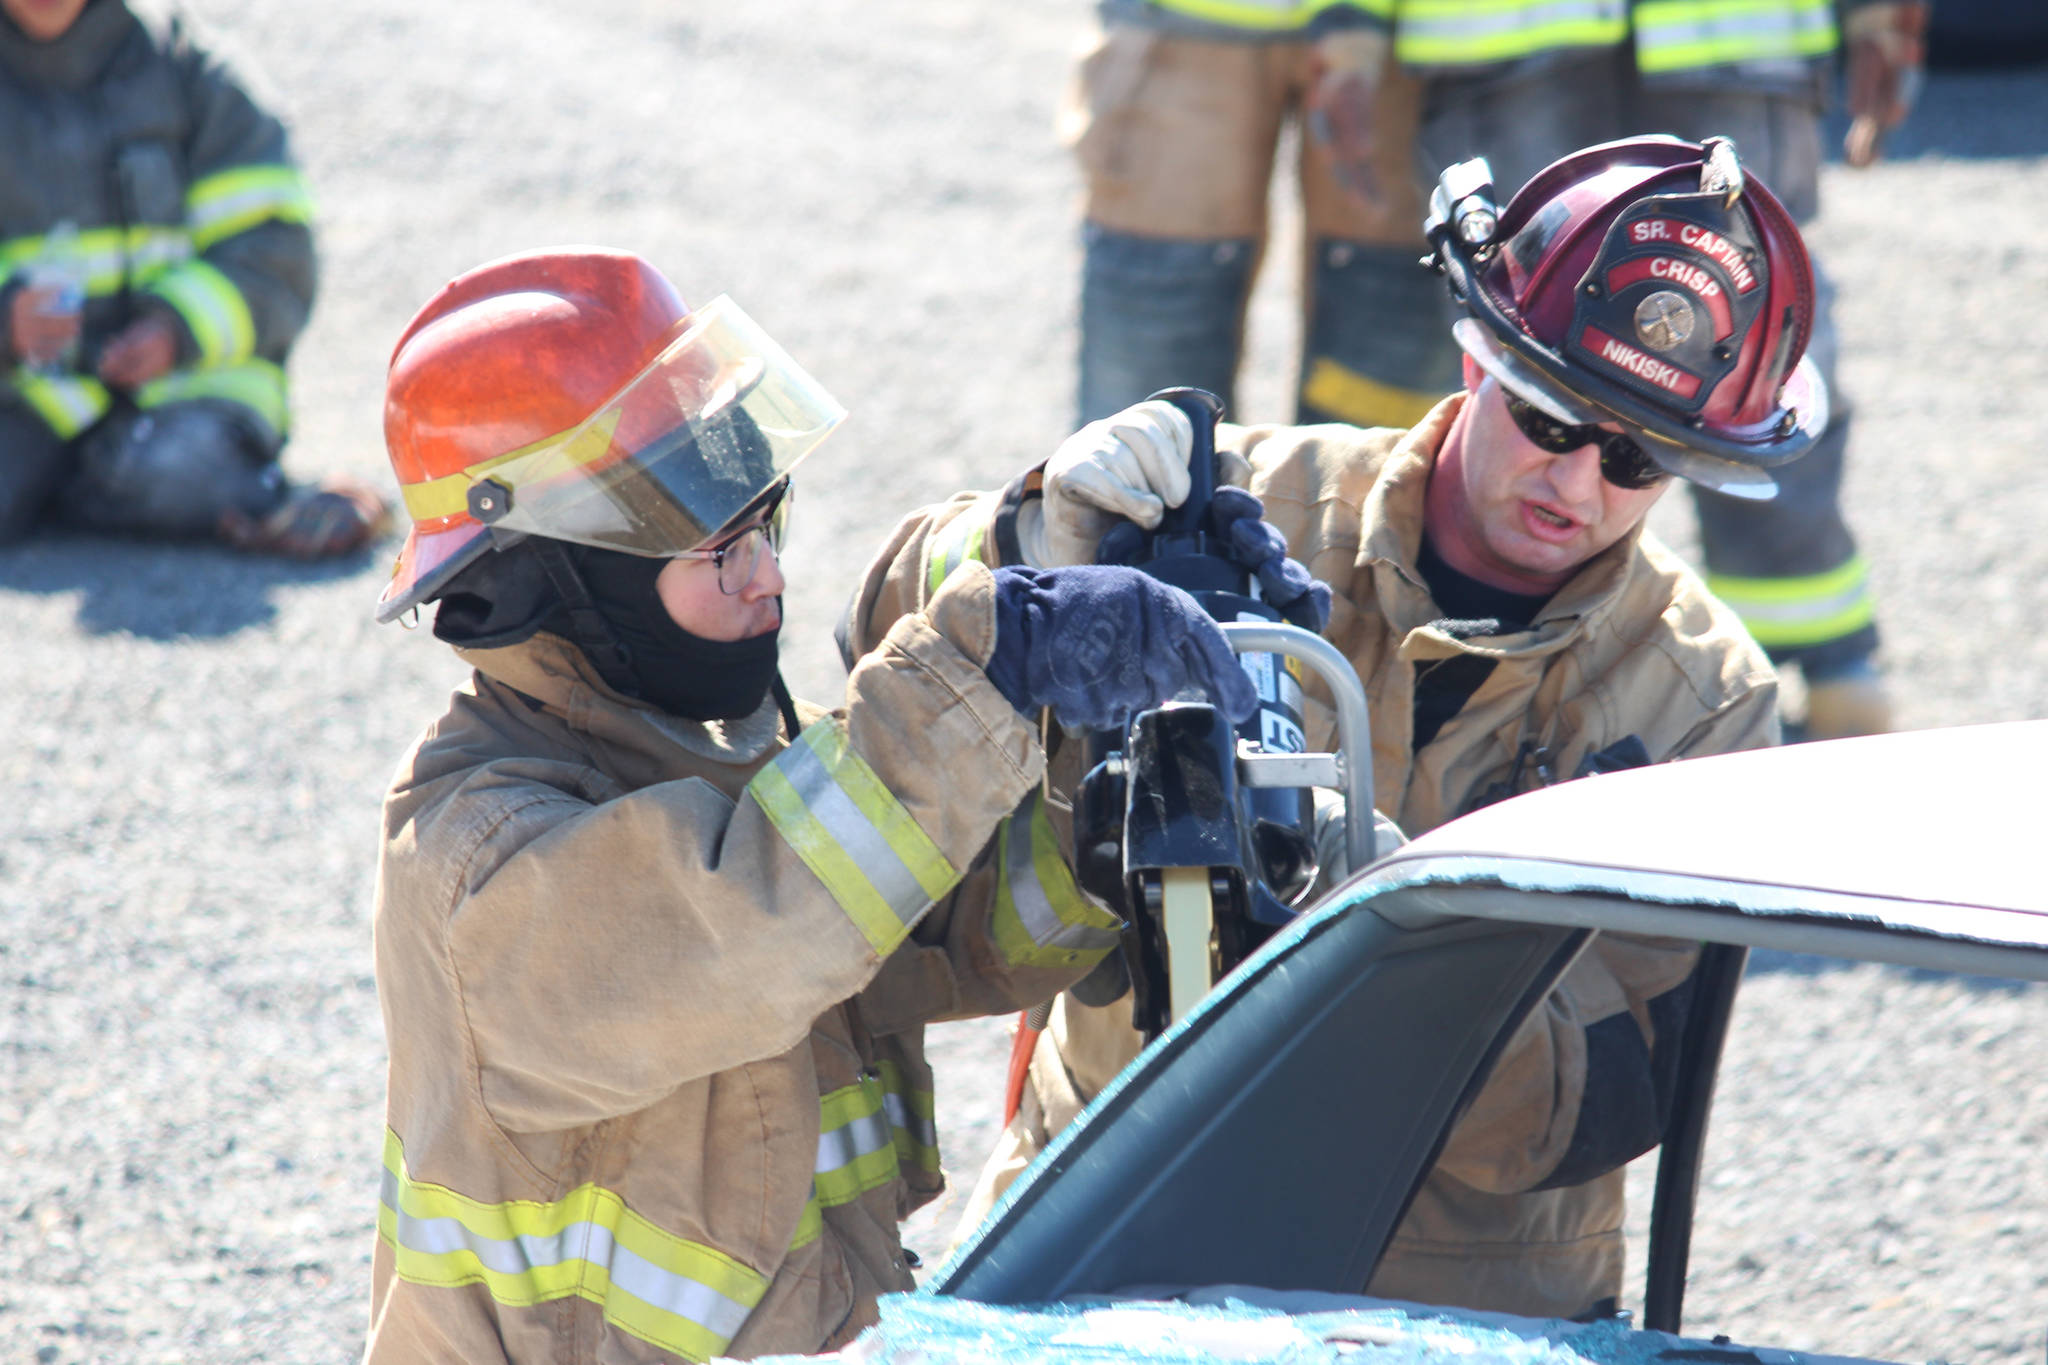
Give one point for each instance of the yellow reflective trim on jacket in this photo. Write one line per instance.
(220, 205)
(1271, 15)
(853, 834)
(810, 1226)
(257, 385)
(679, 1295)
(1476, 32)
(955, 543)
(856, 1150)
(67, 403)
(1796, 612)
(1041, 919)
(1684, 35)
(212, 308)
(108, 257)
(912, 1119)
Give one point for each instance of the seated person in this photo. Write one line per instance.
(156, 265)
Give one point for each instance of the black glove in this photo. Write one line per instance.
(1097, 643)
(1237, 519)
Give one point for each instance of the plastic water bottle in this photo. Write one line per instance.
(59, 269)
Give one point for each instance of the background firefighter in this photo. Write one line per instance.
(156, 265)
(1176, 115)
(1513, 626)
(1523, 83)
(656, 943)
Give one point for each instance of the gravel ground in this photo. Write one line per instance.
(191, 1055)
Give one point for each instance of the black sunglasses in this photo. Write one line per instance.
(1623, 463)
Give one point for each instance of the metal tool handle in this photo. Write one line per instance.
(1203, 410)
(1352, 762)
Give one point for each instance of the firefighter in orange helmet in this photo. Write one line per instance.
(655, 943)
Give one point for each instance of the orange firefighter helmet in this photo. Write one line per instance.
(570, 393)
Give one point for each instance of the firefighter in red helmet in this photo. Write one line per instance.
(655, 943)
(1636, 313)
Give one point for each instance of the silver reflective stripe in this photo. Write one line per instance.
(1027, 893)
(1721, 27)
(589, 1242)
(1420, 24)
(856, 1138)
(922, 1129)
(1767, 612)
(855, 834)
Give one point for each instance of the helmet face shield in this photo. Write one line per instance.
(720, 416)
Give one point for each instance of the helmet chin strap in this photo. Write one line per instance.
(790, 724)
(594, 633)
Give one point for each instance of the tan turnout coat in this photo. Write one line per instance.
(1632, 645)
(654, 994)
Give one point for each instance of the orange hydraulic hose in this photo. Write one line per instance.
(1022, 1044)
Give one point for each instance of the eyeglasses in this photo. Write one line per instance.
(738, 557)
(1623, 463)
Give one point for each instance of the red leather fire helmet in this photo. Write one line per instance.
(1651, 282)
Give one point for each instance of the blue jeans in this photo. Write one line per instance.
(1177, 138)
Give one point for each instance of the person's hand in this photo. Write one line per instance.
(1097, 643)
(1126, 468)
(39, 329)
(1237, 520)
(145, 349)
(1887, 47)
(1349, 65)
(1131, 466)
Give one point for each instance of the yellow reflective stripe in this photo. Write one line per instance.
(679, 1295)
(448, 495)
(810, 1226)
(108, 256)
(1271, 15)
(835, 813)
(212, 307)
(856, 1150)
(67, 403)
(1683, 35)
(1351, 397)
(911, 1119)
(1809, 610)
(257, 385)
(1041, 918)
(150, 251)
(220, 205)
(952, 545)
(1469, 32)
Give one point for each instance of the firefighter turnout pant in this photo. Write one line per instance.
(1177, 138)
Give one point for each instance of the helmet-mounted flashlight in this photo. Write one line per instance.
(1463, 202)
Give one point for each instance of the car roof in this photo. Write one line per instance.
(1273, 1135)
(1912, 848)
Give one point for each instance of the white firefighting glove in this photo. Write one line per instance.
(1130, 466)
(1887, 47)
(1350, 64)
